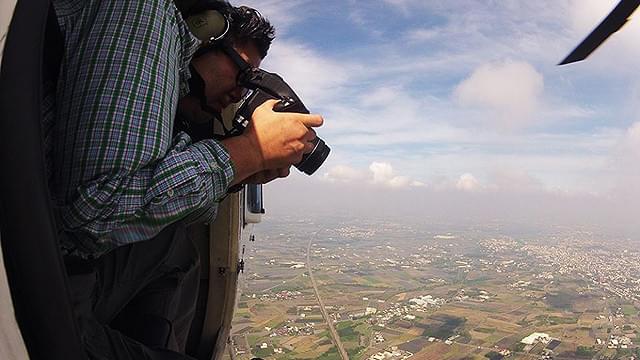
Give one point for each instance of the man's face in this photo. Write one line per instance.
(220, 75)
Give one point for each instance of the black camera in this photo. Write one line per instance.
(262, 86)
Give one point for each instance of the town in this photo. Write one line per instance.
(398, 291)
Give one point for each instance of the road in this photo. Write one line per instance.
(332, 330)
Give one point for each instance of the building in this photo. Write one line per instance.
(535, 338)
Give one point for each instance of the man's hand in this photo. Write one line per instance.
(266, 176)
(272, 141)
(281, 138)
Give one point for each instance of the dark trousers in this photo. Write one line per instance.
(137, 302)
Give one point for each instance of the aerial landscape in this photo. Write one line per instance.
(476, 202)
(405, 289)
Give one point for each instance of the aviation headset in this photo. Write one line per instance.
(210, 21)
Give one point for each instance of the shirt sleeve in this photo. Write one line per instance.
(121, 173)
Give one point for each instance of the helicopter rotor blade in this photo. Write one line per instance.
(612, 23)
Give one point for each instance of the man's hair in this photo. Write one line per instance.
(249, 26)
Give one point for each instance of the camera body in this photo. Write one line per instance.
(262, 86)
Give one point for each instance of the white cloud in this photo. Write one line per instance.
(383, 174)
(315, 78)
(401, 5)
(467, 182)
(632, 141)
(513, 180)
(282, 14)
(421, 35)
(399, 182)
(379, 174)
(626, 158)
(344, 174)
(586, 14)
(511, 90)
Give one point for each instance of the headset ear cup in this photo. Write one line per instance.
(208, 25)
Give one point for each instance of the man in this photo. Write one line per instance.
(124, 185)
(213, 66)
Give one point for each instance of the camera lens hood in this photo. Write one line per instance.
(312, 161)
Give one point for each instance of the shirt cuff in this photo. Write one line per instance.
(219, 162)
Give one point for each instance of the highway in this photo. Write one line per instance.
(332, 330)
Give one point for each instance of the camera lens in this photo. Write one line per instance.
(312, 161)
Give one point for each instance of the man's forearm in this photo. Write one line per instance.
(124, 208)
(245, 158)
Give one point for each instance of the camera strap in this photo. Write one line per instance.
(235, 57)
(196, 88)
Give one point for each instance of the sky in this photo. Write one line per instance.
(457, 110)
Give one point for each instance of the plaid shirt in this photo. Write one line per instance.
(119, 175)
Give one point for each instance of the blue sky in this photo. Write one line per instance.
(463, 97)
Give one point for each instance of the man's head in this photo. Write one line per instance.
(249, 26)
(250, 34)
